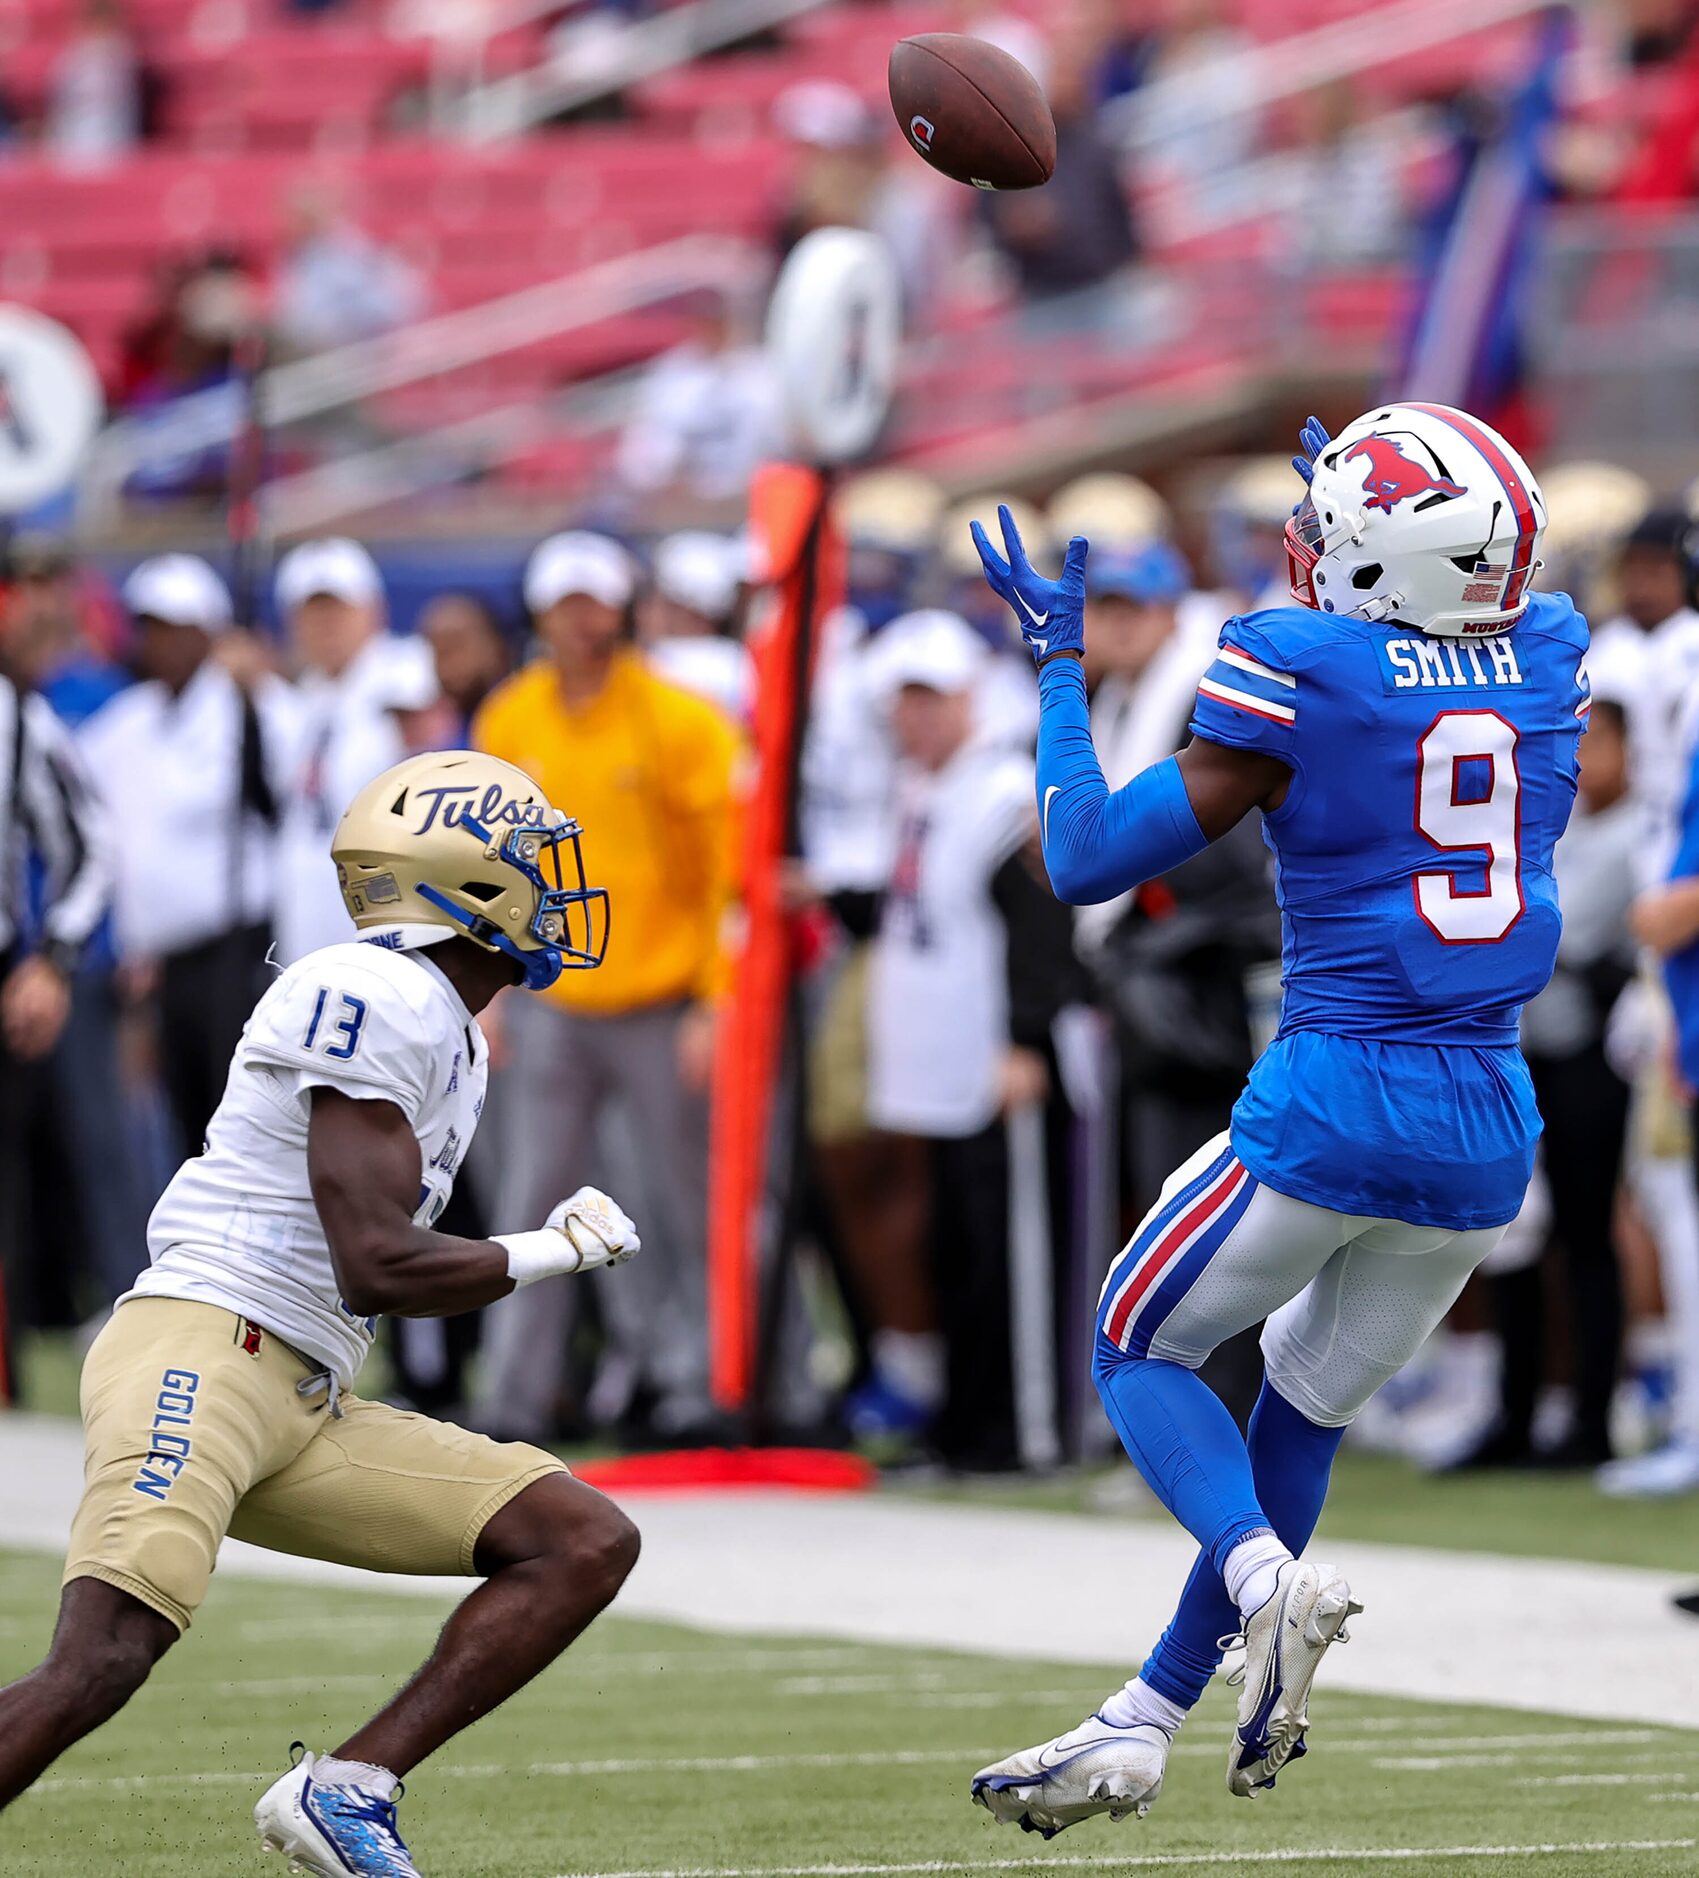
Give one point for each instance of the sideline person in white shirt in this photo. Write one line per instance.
(357, 684)
(1648, 656)
(193, 765)
(685, 620)
(972, 962)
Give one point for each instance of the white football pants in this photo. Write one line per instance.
(1348, 1300)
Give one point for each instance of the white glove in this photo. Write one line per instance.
(583, 1233)
(596, 1227)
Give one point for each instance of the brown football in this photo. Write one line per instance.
(972, 111)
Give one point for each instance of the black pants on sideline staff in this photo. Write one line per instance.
(970, 1266)
(1585, 1106)
(19, 1090)
(206, 995)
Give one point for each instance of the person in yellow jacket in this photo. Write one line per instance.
(648, 769)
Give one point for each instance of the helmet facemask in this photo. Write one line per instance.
(569, 922)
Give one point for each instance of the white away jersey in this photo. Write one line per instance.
(237, 1225)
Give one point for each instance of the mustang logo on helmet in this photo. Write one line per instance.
(1393, 477)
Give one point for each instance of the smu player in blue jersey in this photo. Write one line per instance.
(1408, 732)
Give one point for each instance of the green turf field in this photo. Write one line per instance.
(658, 1749)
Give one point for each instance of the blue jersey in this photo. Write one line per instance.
(1431, 779)
(1681, 969)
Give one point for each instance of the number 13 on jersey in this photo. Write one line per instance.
(1467, 798)
(342, 1037)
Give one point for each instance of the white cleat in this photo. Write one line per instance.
(1284, 1643)
(1663, 1473)
(1095, 1768)
(332, 1830)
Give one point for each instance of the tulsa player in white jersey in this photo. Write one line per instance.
(219, 1397)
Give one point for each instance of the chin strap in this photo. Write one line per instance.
(541, 968)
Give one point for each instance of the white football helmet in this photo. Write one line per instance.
(1420, 514)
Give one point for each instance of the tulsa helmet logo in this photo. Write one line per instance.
(1394, 478)
(493, 808)
(922, 130)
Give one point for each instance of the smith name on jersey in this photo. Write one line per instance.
(1431, 778)
(237, 1226)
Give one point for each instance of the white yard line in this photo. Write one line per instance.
(1441, 1626)
(1531, 1747)
(1161, 1861)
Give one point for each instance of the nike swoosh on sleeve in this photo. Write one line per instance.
(1055, 789)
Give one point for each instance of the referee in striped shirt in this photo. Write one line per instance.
(46, 810)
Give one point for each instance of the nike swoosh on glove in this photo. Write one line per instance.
(598, 1230)
(1050, 613)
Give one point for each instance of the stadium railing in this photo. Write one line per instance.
(319, 389)
(506, 107)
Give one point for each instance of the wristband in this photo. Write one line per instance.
(544, 1253)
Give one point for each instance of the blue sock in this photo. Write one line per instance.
(1291, 1458)
(1182, 1439)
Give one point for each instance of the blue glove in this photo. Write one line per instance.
(1312, 440)
(1050, 613)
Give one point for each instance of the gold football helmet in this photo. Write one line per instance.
(455, 842)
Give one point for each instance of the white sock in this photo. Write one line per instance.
(334, 1773)
(1252, 1568)
(1137, 1703)
(912, 1361)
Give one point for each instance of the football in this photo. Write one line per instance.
(973, 112)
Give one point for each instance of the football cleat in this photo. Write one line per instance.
(1284, 1641)
(1660, 1474)
(1095, 1768)
(333, 1829)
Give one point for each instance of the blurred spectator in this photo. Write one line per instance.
(970, 965)
(44, 805)
(472, 655)
(1342, 196)
(1009, 31)
(197, 765)
(1198, 109)
(94, 108)
(1077, 231)
(706, 412)
(357, 684)
(845, 175)
(1585, 1107)
(184, 343)
(46, 615)
(1666, 920)
(837, 142)
(188, 347)
(1247, 533)
(44, 627)
(648, 770)
(687, 619)
(336, 283)
(1648, 656)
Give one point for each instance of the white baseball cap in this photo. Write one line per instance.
(579, 562)
(701, 570)
(181, 590)
(931, 647)
(335, 565)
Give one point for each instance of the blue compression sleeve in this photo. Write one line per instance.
(1097, 845)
